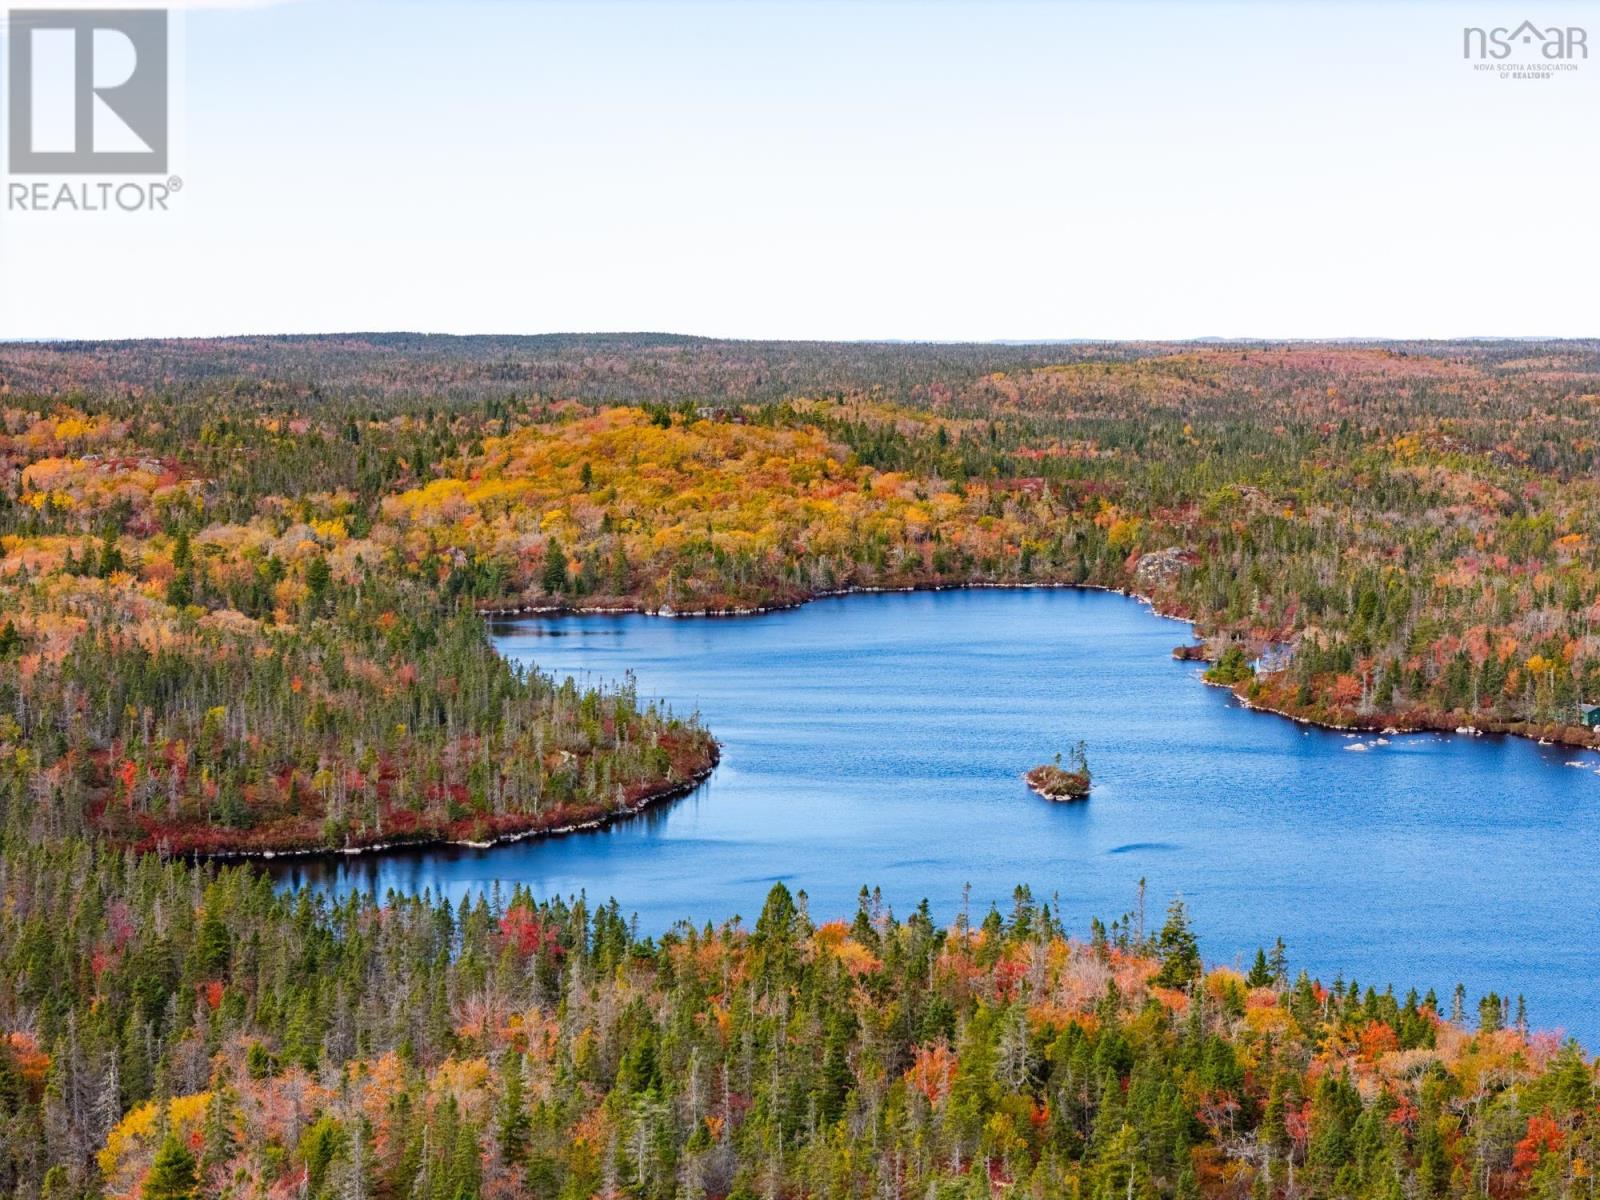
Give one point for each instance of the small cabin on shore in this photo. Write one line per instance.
(1589, 715)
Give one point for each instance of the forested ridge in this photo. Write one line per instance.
(243, 587)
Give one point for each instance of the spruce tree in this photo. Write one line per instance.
(1260, 973)
(1178, 949)
(172, 1174)
(554, 579)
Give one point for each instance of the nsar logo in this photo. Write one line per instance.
(1557, 43)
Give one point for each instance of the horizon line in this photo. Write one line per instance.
(1198, 339)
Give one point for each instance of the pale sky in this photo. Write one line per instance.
(820, 169)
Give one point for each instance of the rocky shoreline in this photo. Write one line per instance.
(532, 829)
(755, 610)
(1424, 722)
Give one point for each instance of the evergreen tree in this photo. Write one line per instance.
(172, 1173)
(1177, 948)
(554, 579)
(1260, 972)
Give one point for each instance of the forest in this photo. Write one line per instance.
(244, 589)
(176, 1032)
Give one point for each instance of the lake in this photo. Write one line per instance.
(880, 740)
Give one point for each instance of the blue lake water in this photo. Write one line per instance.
(880, 740)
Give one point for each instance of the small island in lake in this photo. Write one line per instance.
(1055, 782)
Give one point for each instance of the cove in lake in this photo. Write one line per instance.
(881, 739)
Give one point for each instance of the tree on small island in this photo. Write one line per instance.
(1055, 782)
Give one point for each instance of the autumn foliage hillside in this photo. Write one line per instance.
(624, 508)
